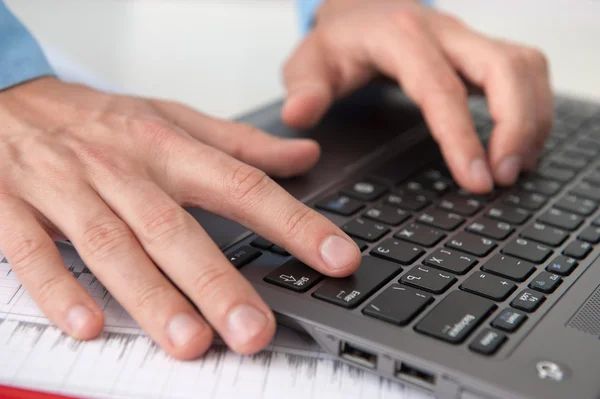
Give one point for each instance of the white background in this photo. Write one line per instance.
(224, 56)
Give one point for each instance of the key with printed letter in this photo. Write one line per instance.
(509, 320)
(528, 300)
(561, 219)
(421, 235)
(545, 234)
(527, 250)
(470, 243)
(440, 219)
(488, 342)
(451, 260)
(340, 204)
(455, 317)
(428, 279)
(365, 230)
(507, 266)
(508, 214)
(490, 228)
(397, 251)
(398, 304)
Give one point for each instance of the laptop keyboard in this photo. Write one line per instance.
(458, 260)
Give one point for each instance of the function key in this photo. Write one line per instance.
(488, 342)
(545, 234)
(580, 206)
(440, 219)
(509, 320)
(398, 304)
(590, 234)
(365, 230)
(242, 256)
(364, 190)
(410, 201)
(387, 214)
(508, 214)
(587, 190)
(294, 275)
(562, 265)
(451, 261)
(421, 235)
(490, 228)
(456, 317)
(577, 249)
(527, 250)
(342, 205)
(540, 186)
(489, 286)
(472, 244)
(528, 300)
(561, 219)
(397, 251)
(509, 267)
(545, 282)
(428, 279)
(351, 291)
(457, 203)
(261, 243)
(522, 199)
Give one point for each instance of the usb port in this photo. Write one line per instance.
(358, 355)
(415, 375)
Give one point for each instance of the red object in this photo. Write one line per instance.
(18, 393)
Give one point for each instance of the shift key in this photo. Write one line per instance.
(456, 317)
(350, 291)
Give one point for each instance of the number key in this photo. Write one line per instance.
(490, 228)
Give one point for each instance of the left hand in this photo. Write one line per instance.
(425, 50)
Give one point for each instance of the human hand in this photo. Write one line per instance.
(111, 174)
(426, 50)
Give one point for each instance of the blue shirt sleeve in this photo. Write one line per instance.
(21, 57)
(308, 8)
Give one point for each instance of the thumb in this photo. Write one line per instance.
(310, 83)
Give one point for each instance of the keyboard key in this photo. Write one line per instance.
(428, 279)
(472, 244)
(490, 228)
(242, 256)
(545, 234)
(593, 178)
(387, 214)
(261, 243)
(509, 320)
(436, 184)
(397, 251)
(342, 205)
(561, 161)
(508, 214)
(294, 275)
(509, 267)
(587, 190)
(440, 219)
(410, 201)
(489, 286)
(596, 222)
(456, 317)
(555, 172)
(451, 261)
(590, 234)
(540, 186)
(488, 342)
(527, 250)
(279, 250)
(351, 291)
(545, 282)
(364, 191)
(580, 206)
(528, 300)
(577, 249)
(562, 265)
(420, 235)
(457, 203)
(398, 304)
(365, 230)
(561, 219)
(522, 199)
(360, 243)
(417, 188)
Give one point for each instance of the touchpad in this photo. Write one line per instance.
(587, 317)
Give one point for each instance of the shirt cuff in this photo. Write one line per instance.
(21, 57)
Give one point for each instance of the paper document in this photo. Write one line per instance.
(124, 363)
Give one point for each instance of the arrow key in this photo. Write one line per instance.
(294, 275)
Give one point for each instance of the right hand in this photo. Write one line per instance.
(111, 174)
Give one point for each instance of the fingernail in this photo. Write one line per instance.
(509, 169)
(183, 328)
(338, 253)
(78, 317)
(480, 173)
(244, 323)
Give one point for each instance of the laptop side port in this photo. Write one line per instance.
(415, 375)
(358, 355)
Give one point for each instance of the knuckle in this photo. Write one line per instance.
(209, 283)
(408, 20)
(158, 132)
(448, 85)
(51, 288)
(151, 296)
(245, 183)
(103, 236)
(512, 60)
(298, 221)
(163, 223)
(23, 252)
(537, 59)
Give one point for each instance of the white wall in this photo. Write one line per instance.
(223, 56)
